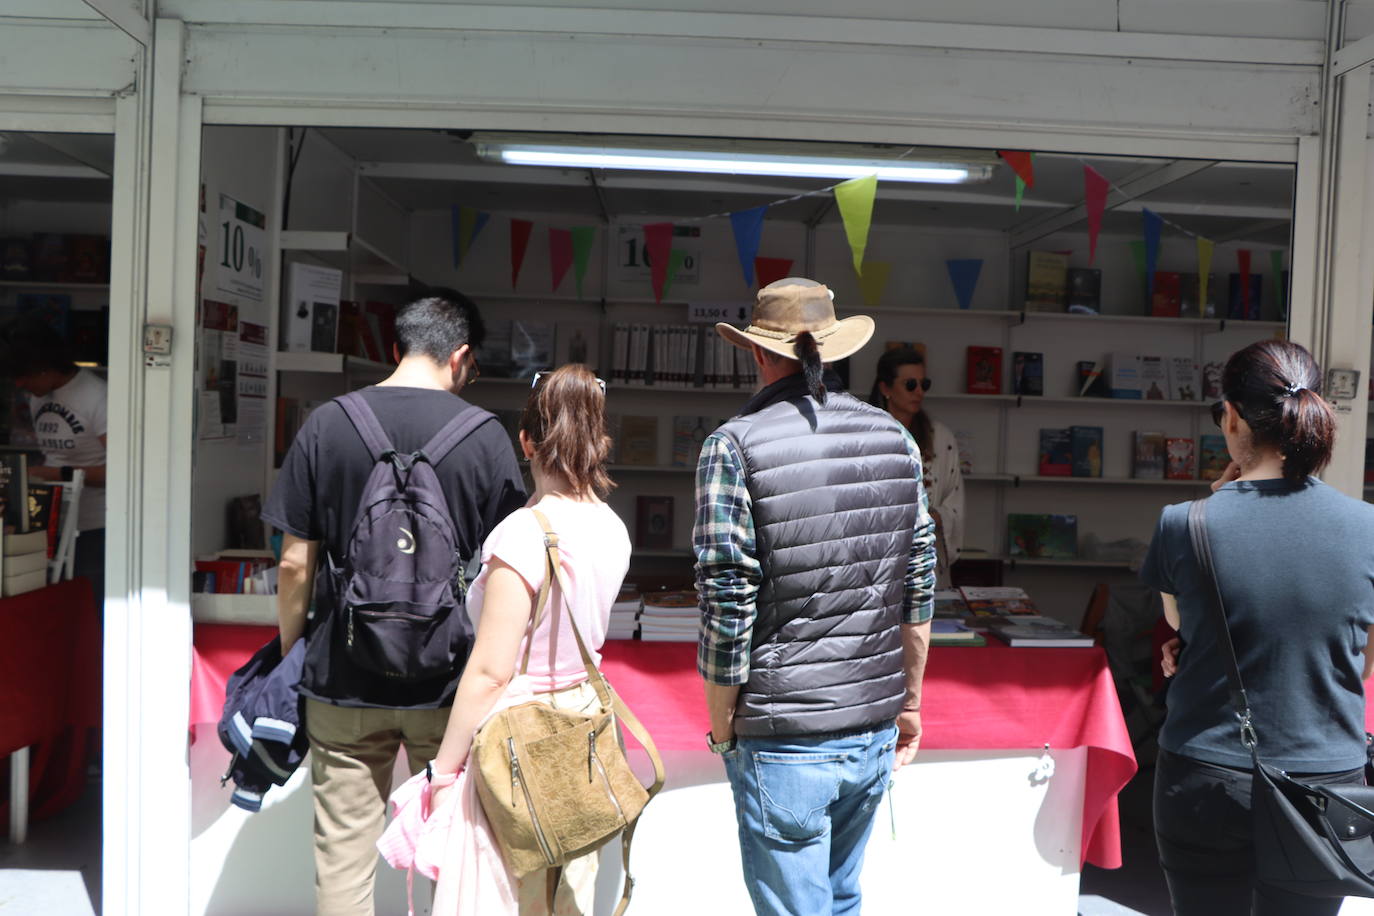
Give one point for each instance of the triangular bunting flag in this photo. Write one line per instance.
(1095, 199)
(520, 230)
(768, 270)
(1020, 192)
(873, 281)
(658, 244)
(676, 257)
(1204, 273)
(1243, 265)
(1280, 288)
(582, 239)
(560, 255)
(855, 198)
(1154, 225)
(748, 227)
(467, 225)
(963, 276)
(1022, 164)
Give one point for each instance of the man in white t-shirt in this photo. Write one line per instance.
(67, 404)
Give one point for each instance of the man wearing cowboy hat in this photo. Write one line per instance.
(815, 572)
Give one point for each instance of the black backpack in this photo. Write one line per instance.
(399, 589)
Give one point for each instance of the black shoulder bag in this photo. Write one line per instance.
(1316, 840)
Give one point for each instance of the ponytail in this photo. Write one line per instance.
(1308, 428)
(812, 368)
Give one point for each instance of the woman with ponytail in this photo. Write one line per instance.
(1294, 561)
(900, 388)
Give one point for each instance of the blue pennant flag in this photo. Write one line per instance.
(963, 274)
(748, 226)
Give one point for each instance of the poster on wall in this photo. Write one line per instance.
(252, 383)
(632, 261)
(242, 249)
(217, 386)
(311, 310)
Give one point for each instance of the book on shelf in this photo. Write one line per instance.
(1056, 453)
(1154, 378)
(245, 523)
(1183, 379)
(984, 370)
(1190, 306)
(1147, 457)
(954, 633)
(638, 440)
(53, 309)
(1179, 458)
(1085, 288)
(14, 491)
(1211, 381)
(1213, 457)
(1092, 383)
(88, 260)
(688, 435)
(1243, 304)
(1027, 373)
(1087, 450)
(23, 562)
(493, 356)
(531, 347)
(1369, 461)
(654, 522)
(1040, 633)
(1167, 301)
(577, 343)
(49, 253)
(310, 309)
(45, 512)
(1042, 536)
(1046, 281)
(19, 583)
(670, 617)
(15, 264)
(998, 601)
(950, 604)
(1123, 375)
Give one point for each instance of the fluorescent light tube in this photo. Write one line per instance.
(645, 160)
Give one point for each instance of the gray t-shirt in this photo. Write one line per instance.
(1296, 568)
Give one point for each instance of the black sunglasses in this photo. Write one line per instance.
(911, 383)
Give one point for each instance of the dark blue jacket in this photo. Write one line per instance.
(263, 724)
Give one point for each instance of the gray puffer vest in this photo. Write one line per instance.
(835, 496)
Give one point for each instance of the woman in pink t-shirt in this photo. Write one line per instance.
(563, 434)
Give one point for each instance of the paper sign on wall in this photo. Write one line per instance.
(632, 261)
(242, 250)
(252, 383)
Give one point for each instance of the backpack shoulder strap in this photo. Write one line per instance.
(365, 422)
(455, 431)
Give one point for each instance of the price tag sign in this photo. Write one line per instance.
(242, 249)
(736, 313)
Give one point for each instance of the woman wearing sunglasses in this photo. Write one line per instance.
(1294, 560)
(900, 388)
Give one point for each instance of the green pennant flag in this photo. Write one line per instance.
(675, 259)
(1020, 190)
(582, 239)
(855, 198)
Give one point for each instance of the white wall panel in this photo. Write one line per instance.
(64, 58)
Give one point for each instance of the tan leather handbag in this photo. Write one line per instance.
(556, 784)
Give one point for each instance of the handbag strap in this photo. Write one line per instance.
(1202, 551)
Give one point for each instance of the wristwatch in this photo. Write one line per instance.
(719, 747)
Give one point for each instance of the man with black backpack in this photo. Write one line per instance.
(383, 499)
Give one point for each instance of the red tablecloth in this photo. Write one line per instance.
(50, 685)
(974, 698)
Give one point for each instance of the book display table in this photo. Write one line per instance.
(976, 802)
(50, 687)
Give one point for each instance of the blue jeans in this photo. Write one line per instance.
(805, 808)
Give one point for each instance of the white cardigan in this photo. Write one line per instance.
(945, 491)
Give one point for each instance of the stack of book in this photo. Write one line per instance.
(1040, 633)
(236, 572)
(669, 617)
(677, 355)
(24, 541)
(625, 614)
(944, 632)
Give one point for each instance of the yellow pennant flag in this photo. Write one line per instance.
(1204, 268)
(855, 198)
(873, 281)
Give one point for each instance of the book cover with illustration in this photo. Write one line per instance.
(1085, 288)
(1046, 281)
(1179, 454)
(1183, 379)
(1244, 304)
(1213, 457)
(1091, 381)
(1056, 453)
(984, 370)
(1147, 459)
(1167, 301)
(1042, 537)
(1027, 373)
(1211, 381)
(1087, 450)
(639, 440)
(1154, 378)
(688, 435)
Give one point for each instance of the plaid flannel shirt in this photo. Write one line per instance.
(728, 572)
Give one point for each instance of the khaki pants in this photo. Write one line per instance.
(577, 891)
(352, 758)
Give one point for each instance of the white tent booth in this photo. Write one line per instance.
(222, 83)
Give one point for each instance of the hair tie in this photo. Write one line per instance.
(1291, 391)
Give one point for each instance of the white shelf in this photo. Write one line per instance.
(56, 287)
(962, 396)
(257, 610)
(1219, 323)
(1111, 481)
(989, 478)
(327, 363)
(364, 262)
(1028, 400)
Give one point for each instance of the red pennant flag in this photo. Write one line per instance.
(1095, 189)
(767, 270)
(1020, 164)
(560, 254)
(658, 247)
(1243, 264)
(519, 241)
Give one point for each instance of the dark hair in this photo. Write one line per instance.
(922, 429)
(438, 324)
(29, 345)
(813, 370)
(565, 418)
(1275, 385)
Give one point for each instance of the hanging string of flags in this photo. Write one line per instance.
(572, 247)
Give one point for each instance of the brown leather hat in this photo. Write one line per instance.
(786, 308)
